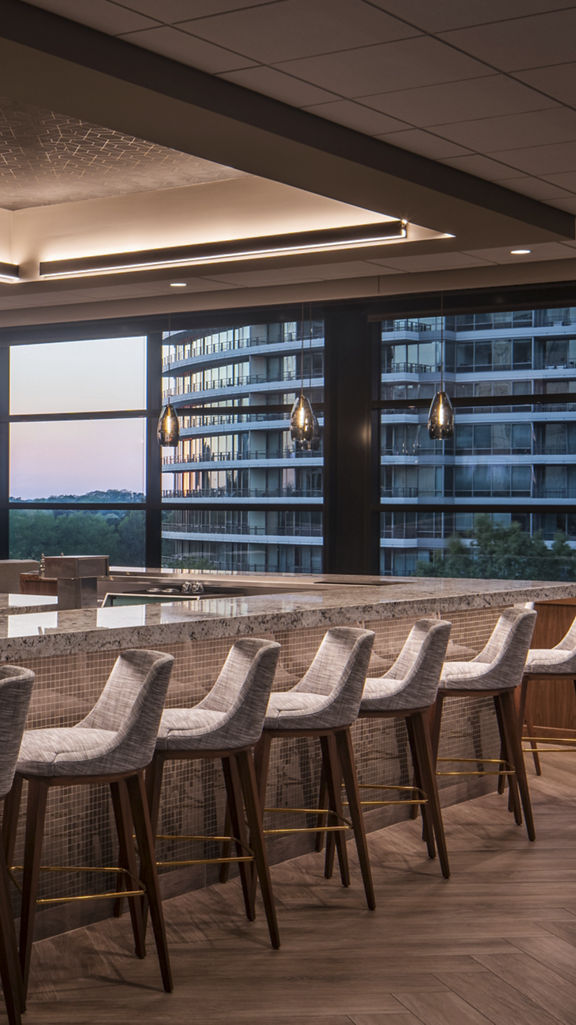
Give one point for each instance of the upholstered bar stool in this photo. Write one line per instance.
(15, 690)
(225, 726)
(495, 672)
(323, 706)
(113, 744)
(408, 691)
(543, 664)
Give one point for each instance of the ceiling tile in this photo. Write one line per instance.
(541, 160)
(425, 143)
(170, 11)
(385, 67)
(436, 17)
(279, 275)
(546, 251)
(487, 135)
(186, 49)
(537, 188)
(484, 167)
(105, 16)
(355, 115)
(446, 103)
(279, 86)
(432, 261)
(559, 81)
(521, 43)
(566, 180)
(297, 28)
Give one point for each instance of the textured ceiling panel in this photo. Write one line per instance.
(50, 158)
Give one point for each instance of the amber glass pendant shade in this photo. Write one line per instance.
(441, 417)
(304, 429)
(168, 432)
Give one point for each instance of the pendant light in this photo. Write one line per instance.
(168, 431)
(304, 427)
(441, 412)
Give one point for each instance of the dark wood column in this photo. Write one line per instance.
(153, 451)
(351, 518)
(4, 451)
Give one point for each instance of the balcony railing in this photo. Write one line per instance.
(245, 493)
(210, 528)
(227, 457)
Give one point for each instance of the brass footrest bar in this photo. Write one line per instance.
(183, 862)
(346, 824)
(503, 770)
(421, 799)
(139, 892)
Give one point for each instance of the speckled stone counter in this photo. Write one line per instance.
(72, 653)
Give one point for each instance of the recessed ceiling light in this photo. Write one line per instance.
(520, 252)
(178, 284)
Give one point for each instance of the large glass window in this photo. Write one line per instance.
(517, 454)
(244, 455)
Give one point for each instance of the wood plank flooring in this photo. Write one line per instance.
(494, 945)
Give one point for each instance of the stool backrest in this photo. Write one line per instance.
(505, 653)
(131, 705)
(15, 690)
(568, 642)
(242, 690)
(419, 663)
(338, 671)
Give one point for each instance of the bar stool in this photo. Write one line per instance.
(556, 662)
(322, 706)
(495, 672)
(15, 690)
(111, 745)
(226, 725)
(408, 691)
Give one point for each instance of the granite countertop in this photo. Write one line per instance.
(14, 604)
(312, 603)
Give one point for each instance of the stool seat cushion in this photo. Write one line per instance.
(551, 660)
(202, 729)
(301, 710)
(70, 751)
(385, 695)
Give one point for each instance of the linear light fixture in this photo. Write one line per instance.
(261, 247)
(10, 273)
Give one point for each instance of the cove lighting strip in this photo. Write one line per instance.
(10, 273)
(207, 253)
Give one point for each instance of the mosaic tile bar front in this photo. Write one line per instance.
(80, 827)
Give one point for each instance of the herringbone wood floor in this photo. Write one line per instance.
(494, 945)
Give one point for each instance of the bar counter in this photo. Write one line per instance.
(72, 652)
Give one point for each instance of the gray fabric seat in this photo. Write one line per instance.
(500, 664)
(496, 672)
(232, 713)
(112, 744)
(15, 690)
(328, 695)
(226, 725)
(412, 682)
(117, 736)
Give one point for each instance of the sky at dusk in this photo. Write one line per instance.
(79, 456)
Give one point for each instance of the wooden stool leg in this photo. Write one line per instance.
(529, 724)
(435, 719)
(235, 825)
(507, 756)
(248, 781)
(322, 798)
(511, 728)
(127, 860)
(423, 746)
(148, 873)
(335, 841)
(9, 964)
(427, 823)
(10, 819)
(35, 818)
(348, 766)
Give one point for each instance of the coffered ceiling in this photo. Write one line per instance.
(460, 117)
